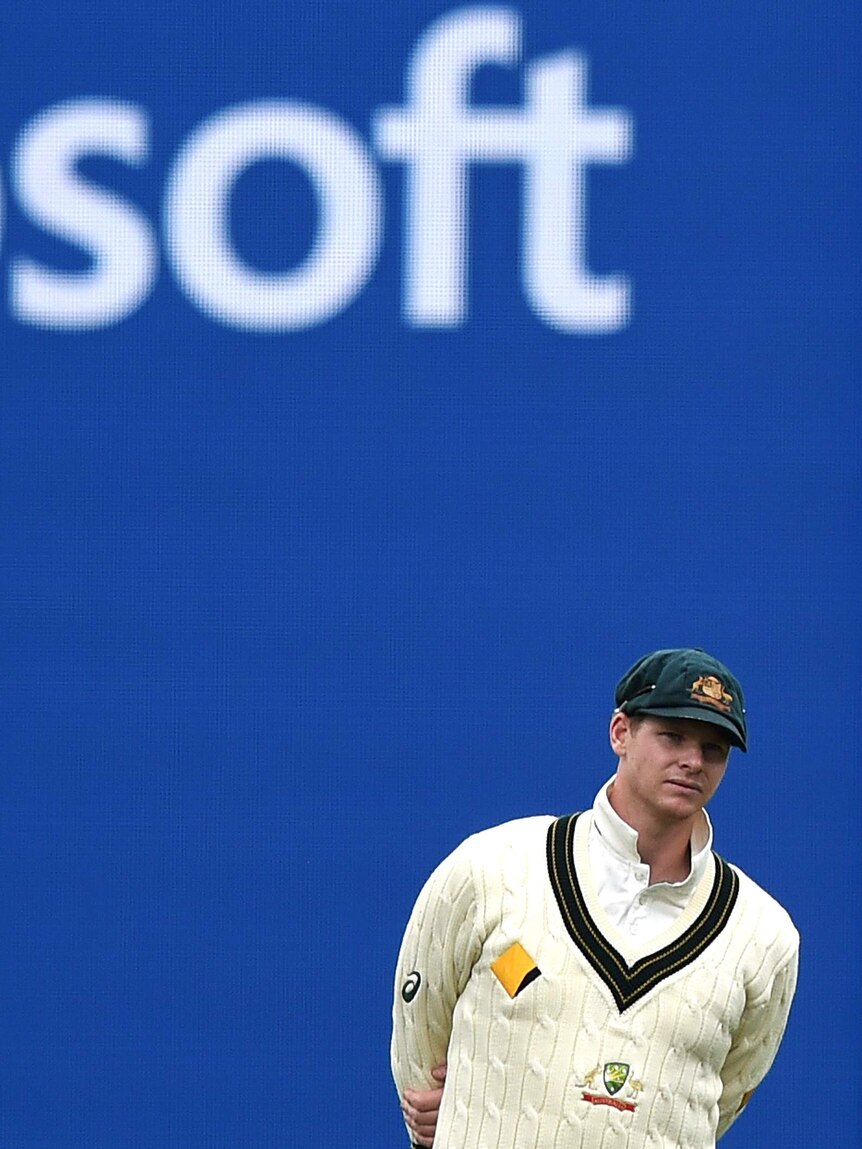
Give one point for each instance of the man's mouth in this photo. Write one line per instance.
(682, 784)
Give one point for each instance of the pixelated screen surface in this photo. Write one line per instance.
(380, 381)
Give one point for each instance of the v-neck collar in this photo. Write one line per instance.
(628, 970)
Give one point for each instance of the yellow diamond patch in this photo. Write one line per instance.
(515, 969)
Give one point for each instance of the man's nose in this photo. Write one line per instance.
(693, 755)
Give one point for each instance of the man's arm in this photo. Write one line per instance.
(440, 947)
(756, 1041)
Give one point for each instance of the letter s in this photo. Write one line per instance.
(55, 197)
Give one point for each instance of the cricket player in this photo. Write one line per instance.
(604, 978)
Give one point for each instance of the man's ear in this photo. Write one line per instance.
(619, 733)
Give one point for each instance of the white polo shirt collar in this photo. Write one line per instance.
(621, 840)
(622, 879)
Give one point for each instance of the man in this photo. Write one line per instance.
(602, 978)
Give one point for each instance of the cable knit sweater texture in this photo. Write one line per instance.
(561, 1032)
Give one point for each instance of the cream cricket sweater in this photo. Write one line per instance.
(561, 1032)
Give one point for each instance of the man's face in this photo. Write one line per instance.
(669, 767)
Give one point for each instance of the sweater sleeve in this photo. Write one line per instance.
(440, 947)
(756, 1040)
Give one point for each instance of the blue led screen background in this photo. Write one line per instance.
(379, 382)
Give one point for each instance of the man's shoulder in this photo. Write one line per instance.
(513, 831)
(487, 846)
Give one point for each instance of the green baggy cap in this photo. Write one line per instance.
(685, 683)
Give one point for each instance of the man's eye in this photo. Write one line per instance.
(671, 735)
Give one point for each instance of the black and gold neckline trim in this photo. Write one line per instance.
(629, 984)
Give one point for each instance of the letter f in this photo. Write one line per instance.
(435, 136)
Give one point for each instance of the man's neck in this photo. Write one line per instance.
(667, 852)
(663, 846)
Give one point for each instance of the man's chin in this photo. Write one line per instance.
(684, 800)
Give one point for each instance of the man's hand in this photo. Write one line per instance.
(420, 1108)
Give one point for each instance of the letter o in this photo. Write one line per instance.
(345, 249)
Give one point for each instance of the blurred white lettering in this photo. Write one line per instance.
(438, 135)
(556, 136)
(198, 194)
(52, 194)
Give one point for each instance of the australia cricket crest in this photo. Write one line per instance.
(618, 1088)
(614, 1076)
